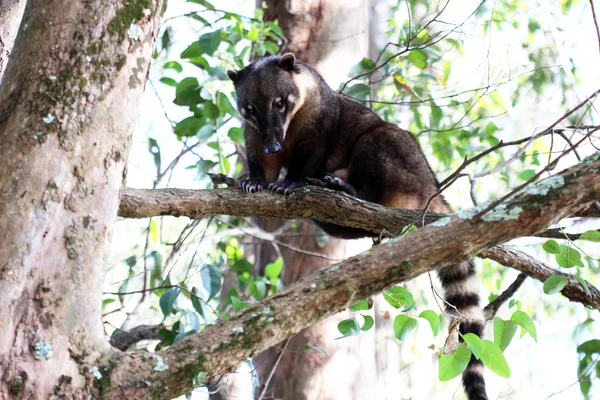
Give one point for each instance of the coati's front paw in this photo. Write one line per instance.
(253, 185)
(285, 186)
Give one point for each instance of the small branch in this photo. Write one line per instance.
(491, 309)
(538, 270)
(265, 385)
(123, 340)
(595, 21)
(558, 233)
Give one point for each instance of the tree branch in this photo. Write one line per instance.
(308, 202)
(528, 265)
(219, 348)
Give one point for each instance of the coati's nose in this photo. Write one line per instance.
(272, 148)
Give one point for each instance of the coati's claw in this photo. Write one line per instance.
(334, 182)
(285, 186)
(252, 185)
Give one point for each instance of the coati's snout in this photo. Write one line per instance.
(268, 97)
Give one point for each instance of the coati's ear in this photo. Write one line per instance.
(233, 75)
(287, 61)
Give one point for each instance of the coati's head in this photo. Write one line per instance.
(268, 97)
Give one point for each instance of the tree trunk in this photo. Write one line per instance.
(11, 12)
(68, 103)
(332, 36)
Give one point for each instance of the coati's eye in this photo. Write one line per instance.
(278, 103)
(251, 110)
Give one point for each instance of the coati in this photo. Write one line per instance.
(292, 119)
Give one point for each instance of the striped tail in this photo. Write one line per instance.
(461, 289)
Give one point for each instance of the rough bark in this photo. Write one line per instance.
(221, 347)
(68, 103)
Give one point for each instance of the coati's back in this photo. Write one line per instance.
(317, 133)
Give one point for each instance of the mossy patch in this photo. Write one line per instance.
(133, 11)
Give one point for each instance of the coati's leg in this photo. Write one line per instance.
(307, 162)
(260, 172)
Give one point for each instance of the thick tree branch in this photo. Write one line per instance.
(219, 348)
(309, 202)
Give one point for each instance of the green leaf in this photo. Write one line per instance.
(169, 81)
(106, 302)
(584, 284)
(210, 110)
(192, 51)
(225, 104)
(568, 257)
(348, 327)
(491, 128)
(173, 65)
(593, 236)
(273, 270)
(237, 135)
(403, 326)
(258, 289)
(196, 303)
(527, 174)
(474, 343)
(218, 73)
(209, 42)
(271, 47)
(361, 305)
(433, 319)
(418, 59)
(525, 322)
(237, 304)
(242, 266)
(361, 67)
(551, 247)
(452, 365)
(493, 358)
(189, 126)
(205, 132)
(398, 297)
(504, 331)
(555, 284)
(368, 324)
(359, 91)
(167, 300)
(253, 34)
(589, 347)
(187, 92)
(211, 279)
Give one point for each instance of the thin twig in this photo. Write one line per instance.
(265, 385)
(491, 309)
